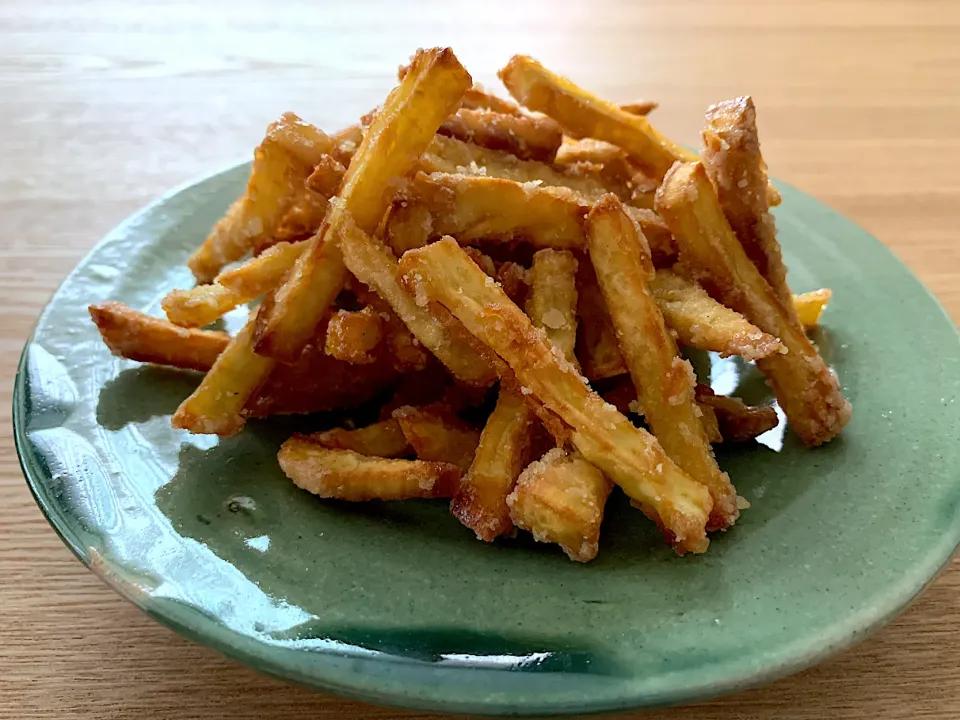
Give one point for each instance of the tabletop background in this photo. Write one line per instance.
(106, 104)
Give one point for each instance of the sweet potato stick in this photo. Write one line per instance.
(664, 381)
(597, 348)
(402, 130)
(628, 455)
(347, 475)
(702, 323)
(582, 114)
(381, 439)
(137, 336)
(437, 436)
(353, 335)
(808, 392)
(736, 421)
(731, 157)
(477, 98)
(524, 136)
(810, 306)
(552, 304)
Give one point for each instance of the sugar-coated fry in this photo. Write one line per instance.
(737, 421)
(628, 455)
(347, 475)
(353, 336)
(203, 304)
(810, 306)
(702, 323)
(406, 352)
(731, 157)
(327, 176)
(346, 142)
(135, 335)
(380, 439)
(710, 422)
(515, 281)
(477, 98)
(641, 107)
(480, 503)
(438, 436)
(614, 166)
(663, 380)
(301, 220)
(808, 392)
(402, 130)
(582, 114)
(552, 303)
(281, 163)
(373, 264)
(525, 136)
(596, 348)
(560, 499)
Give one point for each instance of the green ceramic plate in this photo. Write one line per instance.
(396, 603)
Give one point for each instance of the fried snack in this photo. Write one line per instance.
(301, 220)
(641, 107)
(347, 475)
(327, 176)
(476, 98)
(281, 163)
(710, 422)
(204, 304)
(480, 503)
(615, 168)
(582, 114)
(346, 142)
(135, 335)
(438, 436)
(623, 396)
(597, 348)
(552, 304)
(808, 392)
(373, 264)
(731, 157)
(703, 323)
(737, 421)
(406, 352)
(810, 306)
(525, 136)
(628, 455)
(663, 380)
(353, 336)
(560, 499)
(381, 439)
(402, 130)
(515, 281)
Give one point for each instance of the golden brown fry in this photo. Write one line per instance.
(281, 163)
(481, 501)
(731, 157)
(737, 421)
(347, 475)
(710, 422)
(597, 348)
(560, 499)
(373, 264)
(552, 304)
(623, 395)
(615, 168)
(808, 392)
(406, 124)
(525, 136)
(810, 306)
(641, 107)
(136, 336)
(381, 439)
(406, 352)
(476, 98)
(626, 454)
(703, 323)
(301, 220)
(203, 304)
(582, 114)
(484, 262)
(346, 142)
(664, 381)
(327, 176)
(515, 281)
(353, 336)
(438, 435)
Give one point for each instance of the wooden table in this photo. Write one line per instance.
(106, 104)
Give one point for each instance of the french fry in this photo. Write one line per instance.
(204, 304)
(596, 348)
(736, 421)
(345, 144)
(347, 475)
(629, 456)
(560, 499)
(281, 163)
(582, 114)
(808, 392)
(731, 157)
(524, 136)
(810, 306)
(353, 336)
(515, 281)
(623, 396)
(301, 220)
(327, 176)
(135, 335)
(438, 436)
(664, 381)
(476, 98)
(381, 439)
(703, 323)
(373, 264)
(710, 422)
(552, 304)
(402, 130)
(615, 168)
(641, 107)
(480, 503)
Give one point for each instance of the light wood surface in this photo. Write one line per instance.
(105, 104)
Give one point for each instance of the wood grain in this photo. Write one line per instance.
(106, 104)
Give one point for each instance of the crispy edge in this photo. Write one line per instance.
(737, 421)
(810, 306)
(596, 348)
(438, 436)
(524, 136)
(380, 439)
(552, 301)
(353, 336)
